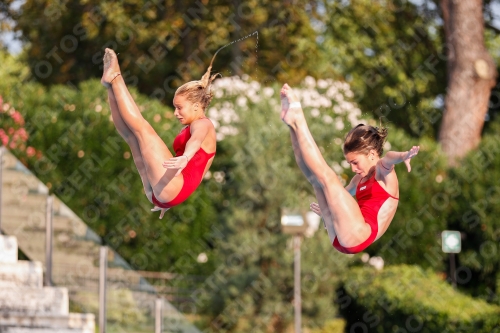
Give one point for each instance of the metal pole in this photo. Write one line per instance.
(48, 240)
(1, 185)
(103, 263)
(296, 290)
(452, 270)
(158, 315)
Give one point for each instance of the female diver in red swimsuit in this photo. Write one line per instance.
(352, 226)
(167, 180)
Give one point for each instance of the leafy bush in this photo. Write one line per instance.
(89, 167)
(473, 208)
(409, 299)
(13, 134)
(234, 216)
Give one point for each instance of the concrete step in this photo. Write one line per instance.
(17, 198)
(81, 322)
(31, 216)
(21, 274)
(9, 161)
(8, 249)
(44, 330)
(77, 261)
(25, 202)
(23, 180)
(34, 301)
(31, 235)
(72, 262)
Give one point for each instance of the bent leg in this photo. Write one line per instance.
(325, 213)
(343, 211)
(129, 137)
(153, 150)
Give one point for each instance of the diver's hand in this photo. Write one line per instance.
(178, 163)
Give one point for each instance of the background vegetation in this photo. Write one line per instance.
(351, 62)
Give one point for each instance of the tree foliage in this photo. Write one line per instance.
(392, 56)
(411, 299)
(472, 209)
(164, 43)
(234, 217)
(89, 167)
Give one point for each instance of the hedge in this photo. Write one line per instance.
(409, 299)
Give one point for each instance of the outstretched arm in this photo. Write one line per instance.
(199, 131)
(394, 157)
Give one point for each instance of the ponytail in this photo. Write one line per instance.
(363, 138)
(200, 91)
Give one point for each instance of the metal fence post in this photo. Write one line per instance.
(158, 315)
(103, 264)
(1, 184)
(48, 240)
(297, 297)
(453, 271)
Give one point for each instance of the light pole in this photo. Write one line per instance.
(451, 243)
(298, 225)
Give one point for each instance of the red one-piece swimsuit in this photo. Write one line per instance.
(371, 196)
(192, 173)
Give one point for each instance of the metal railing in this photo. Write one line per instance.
(99, 281)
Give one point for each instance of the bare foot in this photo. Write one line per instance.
(289, 115)
(111, 68)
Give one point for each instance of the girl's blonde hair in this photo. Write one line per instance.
(199, 91)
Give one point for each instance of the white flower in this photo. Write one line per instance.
(268, 92)
(337, 168)
(215, 122)
(213, 113)
(202, 258)
(218, 93)
(376, 262)
(339, 124)
(315, 113)
(327, 119)
(228, 130)
(324, 102)
(331, 92)
(322, 84)
(241, 101)
(310, 82)
(255, 85)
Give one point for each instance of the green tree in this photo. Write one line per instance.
(464, 115)
(252, 285)
(472, 209)
(164, 43)
(391, 53)
(89, 167)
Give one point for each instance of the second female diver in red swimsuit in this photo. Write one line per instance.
(352, 226)
(168, 180)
